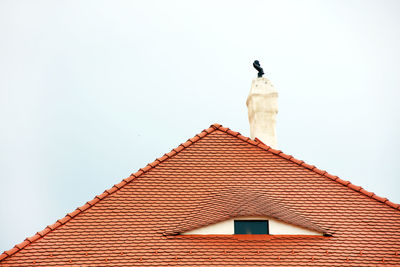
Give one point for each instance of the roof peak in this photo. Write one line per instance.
(172, 153)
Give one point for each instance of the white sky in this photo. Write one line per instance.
(91, 91)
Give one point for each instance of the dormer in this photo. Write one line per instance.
(238, 212)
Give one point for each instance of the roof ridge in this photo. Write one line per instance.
(258, 143)
(107, 192)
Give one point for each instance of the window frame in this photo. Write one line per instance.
(253, 227)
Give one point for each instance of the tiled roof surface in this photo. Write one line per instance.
(127, 224)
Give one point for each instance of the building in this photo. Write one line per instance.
(221, 198)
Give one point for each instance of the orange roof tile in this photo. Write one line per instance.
(125, 225)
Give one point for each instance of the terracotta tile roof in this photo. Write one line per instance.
(126, 225)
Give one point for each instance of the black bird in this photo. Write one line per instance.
(256, 65)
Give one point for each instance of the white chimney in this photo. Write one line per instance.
(262, 104)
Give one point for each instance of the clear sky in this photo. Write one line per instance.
(91, 91)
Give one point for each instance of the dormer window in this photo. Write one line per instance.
(251, 227)
(244, 213)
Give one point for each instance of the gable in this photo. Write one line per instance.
(128, 224)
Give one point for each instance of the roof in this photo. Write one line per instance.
(129, 223)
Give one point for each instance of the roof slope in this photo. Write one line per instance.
(126, 224)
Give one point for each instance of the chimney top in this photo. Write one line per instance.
(257, 66)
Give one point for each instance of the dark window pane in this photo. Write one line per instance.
(254, 227)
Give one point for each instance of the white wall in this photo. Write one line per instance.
(275, 228)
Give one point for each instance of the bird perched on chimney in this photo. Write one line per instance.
(257, 66)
